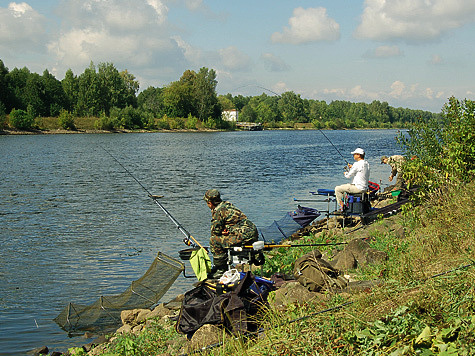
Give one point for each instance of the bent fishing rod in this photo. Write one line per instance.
(155, 198)
(331, 143)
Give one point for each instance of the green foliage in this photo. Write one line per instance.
(128, 117)
(3, 116)
(21, 120)
(404, 333)
(105, 123)
(151, 341)
(66, 120)
(441, 151)
(191, 122)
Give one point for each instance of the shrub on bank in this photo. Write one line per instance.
(66, 120)
(21, 120)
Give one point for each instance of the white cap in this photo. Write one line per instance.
(360, 151)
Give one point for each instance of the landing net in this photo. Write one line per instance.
(142, 293)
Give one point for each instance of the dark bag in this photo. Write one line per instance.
(316, 274)
(203, 305)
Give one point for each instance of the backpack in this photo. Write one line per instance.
(316, 274)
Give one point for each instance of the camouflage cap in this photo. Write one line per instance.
(383, 159)
(212, 195)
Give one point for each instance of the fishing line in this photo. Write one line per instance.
(257, 86)
(334, 147)
(188, 236)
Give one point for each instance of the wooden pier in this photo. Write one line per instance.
(249, 126)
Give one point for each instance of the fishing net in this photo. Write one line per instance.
(142, 293)
(288, 225)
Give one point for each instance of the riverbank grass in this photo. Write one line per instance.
(425, 305)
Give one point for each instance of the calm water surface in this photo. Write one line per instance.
(74, 225)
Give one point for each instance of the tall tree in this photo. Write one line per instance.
(89, 95)
(178, 99)
(291, 107)
(5, 92)
(70, 85)
(206, 99)
(151, 100)
(55, 98)
(131, 87)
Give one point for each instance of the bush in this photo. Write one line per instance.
(442, 151)
(66, 120)
(105, 123)
(21, 120)
(163, 123)
(191, 122)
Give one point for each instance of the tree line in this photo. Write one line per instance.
(112, 98)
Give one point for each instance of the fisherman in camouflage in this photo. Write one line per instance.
(229, 228)
(396, 162)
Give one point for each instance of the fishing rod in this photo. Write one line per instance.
(271, 246)
(347, 163)
(155, 198)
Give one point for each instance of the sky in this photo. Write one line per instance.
(410, 53)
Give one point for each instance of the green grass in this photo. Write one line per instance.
(414, 312)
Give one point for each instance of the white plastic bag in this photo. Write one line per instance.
(230, 276)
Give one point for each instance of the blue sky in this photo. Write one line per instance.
(410, 53)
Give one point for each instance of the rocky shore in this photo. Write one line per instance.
(354, 253)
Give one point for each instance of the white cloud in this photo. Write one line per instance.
(413, 20)
(308, 25)
(280, 87)
(21, 26)
(274, 63)
(192, 54)
(114, 31)
(232, 58)
(397, 89)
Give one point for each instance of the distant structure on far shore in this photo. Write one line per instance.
(233, 116)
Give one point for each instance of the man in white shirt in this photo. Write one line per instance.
(360, 173)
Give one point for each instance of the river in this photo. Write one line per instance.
(74, 225)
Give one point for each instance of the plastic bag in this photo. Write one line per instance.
(230, 276)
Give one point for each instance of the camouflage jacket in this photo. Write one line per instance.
(227, 217)
(396, 162)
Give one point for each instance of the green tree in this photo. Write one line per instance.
(442, 151)
(16, 80)
(70, 85)
(55, 98)
(178, 96)
(225, 102)
(89, 94)
(151, 100)
(3, 116)
(205, 97)
(66, 120)
(21, 120)
(5, 89)
(132, 87)
(248, 114)
(291, 107)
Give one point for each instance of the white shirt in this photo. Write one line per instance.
(360, 172)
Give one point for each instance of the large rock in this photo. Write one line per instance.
(344, 261)
(293, 292)
(160, 311)
(365, 254)
(132, 317)
(206, 335)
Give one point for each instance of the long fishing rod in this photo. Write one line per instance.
(271, 246)
(347, 163)
(188, 236)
